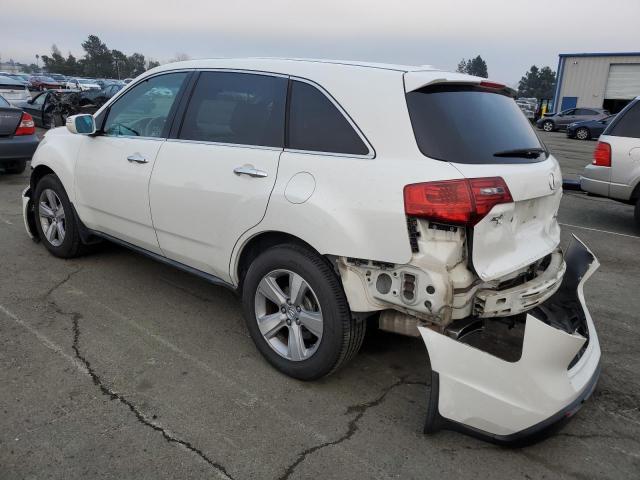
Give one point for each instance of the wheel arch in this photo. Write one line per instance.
(254, 245)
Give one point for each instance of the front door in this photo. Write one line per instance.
(114, 167)
(212, 183)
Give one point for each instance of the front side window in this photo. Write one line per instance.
(143, 111)
(237, 108)
(39, 100)
(629, 124)
(316, 124)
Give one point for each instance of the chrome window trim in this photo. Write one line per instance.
(371, 155)
(133, 137)
(223, 144)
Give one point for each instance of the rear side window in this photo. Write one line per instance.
(629, 124)
(316, 124)
(463, 124)
(238, 108)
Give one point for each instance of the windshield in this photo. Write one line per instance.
(467, 124)
(85, 82)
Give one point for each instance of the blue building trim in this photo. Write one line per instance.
(602, 54)
(556, 95)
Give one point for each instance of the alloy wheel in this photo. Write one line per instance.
(582, 134)
(52, 217)
(547, 126)
(288, 315)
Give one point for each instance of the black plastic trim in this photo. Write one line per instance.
(528, 436)
(167, 261)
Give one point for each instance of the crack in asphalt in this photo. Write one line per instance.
(113, 395)
(352, 426)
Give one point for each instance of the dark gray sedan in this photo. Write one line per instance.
(559, 121)
(18, 138)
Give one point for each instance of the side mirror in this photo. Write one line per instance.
(83, 124)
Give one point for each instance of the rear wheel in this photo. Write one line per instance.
(297, 313)
(16, 167)
(548, 126)
(637, 212)
(582, 134)
(55, 221)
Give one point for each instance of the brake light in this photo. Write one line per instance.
(602, 155)
(26, 127)
(465, 201)
(494, 85)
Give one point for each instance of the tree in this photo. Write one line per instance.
(98, 61)
(137, 64)
(537, 83)
(120, 64)
(474, 66)
(152, 64)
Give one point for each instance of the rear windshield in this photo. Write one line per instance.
(466, 124)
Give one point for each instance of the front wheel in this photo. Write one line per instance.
(55, 221)
(547, 126)
(297, 313)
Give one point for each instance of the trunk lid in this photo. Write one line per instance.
(514, 235)
(9, 120)
(477, 127)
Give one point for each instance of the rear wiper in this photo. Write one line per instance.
(521, 152)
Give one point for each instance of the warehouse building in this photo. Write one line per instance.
(600, 80)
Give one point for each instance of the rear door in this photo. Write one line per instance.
(212, 180)
(624, 138)
(483, 133)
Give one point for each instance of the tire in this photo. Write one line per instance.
(548, 126)
(340, 336)
(583, 133)
(636, 212)
(17, 168)
(64, 238)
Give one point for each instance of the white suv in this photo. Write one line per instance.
(615, 171)
(336, 195)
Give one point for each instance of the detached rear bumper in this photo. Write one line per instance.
(515, 403)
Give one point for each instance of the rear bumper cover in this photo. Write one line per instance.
(515, 403)
(17, 148)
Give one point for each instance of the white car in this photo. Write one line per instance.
(615, 171)
(82, 84)
(336, 195)
(13, 90)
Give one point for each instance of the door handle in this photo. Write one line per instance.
(137, 158)
(249, 170)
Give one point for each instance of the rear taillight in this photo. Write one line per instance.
(26, 127)
(602, 155)
(465, 201)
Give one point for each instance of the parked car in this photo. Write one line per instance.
(82, 84)
(588, 129)
(22, 79)
(18, 138)
(13, 90)
(58, 77)
(41, 82)
(334, 194)
(99, 97)
(559, 121)
(528, 107)
(615, 171)
(51, 108)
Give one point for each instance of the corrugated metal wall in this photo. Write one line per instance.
(586, 78)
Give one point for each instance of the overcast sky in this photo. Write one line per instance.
(511, 35)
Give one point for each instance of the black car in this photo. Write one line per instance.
(18, 138)
(588, 129)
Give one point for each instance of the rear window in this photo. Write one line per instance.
(628, 125)
(464, 124)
